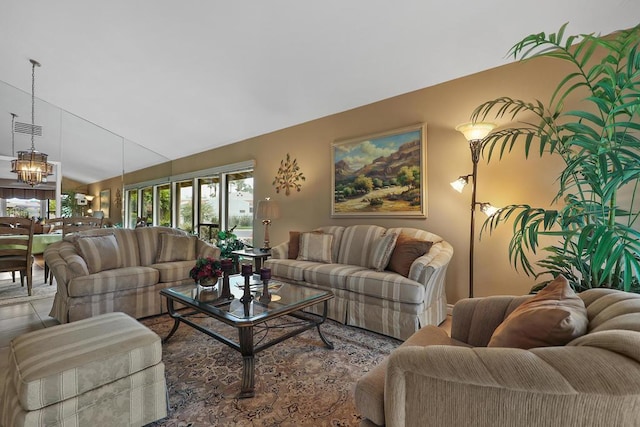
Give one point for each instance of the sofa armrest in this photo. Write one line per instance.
(504, 387)
(280, 251)
(475, 319)
(206, 250)
(64, 262)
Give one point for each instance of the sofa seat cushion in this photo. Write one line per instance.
(330, 275)
(112, 281)
(386, 285)
(289, 268)
(173, 271)
(54, 364)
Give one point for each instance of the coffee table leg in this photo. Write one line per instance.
(326, 342)
(176, 321)
(248, 362)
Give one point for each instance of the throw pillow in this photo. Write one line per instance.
(315, 247)
(407, 250)
(555, 316)
(381, 251)
(294, 243)
(174, 247)
(99, 252)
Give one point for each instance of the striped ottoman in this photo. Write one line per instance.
(101, 371)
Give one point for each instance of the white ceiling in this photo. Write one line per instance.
(181, 77)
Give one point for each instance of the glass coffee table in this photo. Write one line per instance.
(285, 299)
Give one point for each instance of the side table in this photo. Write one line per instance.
(257, 255)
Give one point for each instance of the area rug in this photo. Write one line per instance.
(299, 382)
(12, 293)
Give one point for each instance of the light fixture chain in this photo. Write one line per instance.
(33, 102)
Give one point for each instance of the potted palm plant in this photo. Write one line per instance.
(597, 220)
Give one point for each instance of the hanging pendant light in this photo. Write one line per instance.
(31, 166)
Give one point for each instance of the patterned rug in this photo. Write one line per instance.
(299, 382)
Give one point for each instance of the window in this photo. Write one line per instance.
(164, 204)
(185, 205)
(209, 207)
(240, 205)
(147, 205)
(132, 208)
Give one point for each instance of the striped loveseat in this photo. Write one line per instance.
(115, 269)
(381, 301)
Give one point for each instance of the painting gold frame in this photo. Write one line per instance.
(380, 175)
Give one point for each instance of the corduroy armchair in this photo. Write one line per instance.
(434, 379)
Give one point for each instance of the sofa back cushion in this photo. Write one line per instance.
(126, 238)
(357, 243)
(176, 248)
(149, 242)
(337, 232)
(315, 247)
(99, 252)
(609, 309)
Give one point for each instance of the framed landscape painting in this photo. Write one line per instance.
(381, 175)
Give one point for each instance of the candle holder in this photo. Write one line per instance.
(227, 269)
(265, 276)
(247, 272)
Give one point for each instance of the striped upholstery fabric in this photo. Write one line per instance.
(128, 244)
(149, 242)
(205, 250)
(69, 372)
(99, 252)
(381, 251)
(113, 281)
(136, 302)
(86, 355)
(76, 263)
(290, 269)
(315, 247)
(172, 271)
(392, 287)
(337, 233)
(380, 301)
(357, 243)
(176, 248)
(333, 276)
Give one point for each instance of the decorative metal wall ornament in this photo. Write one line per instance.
(288, 176)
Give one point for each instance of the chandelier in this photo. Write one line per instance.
(31, 166)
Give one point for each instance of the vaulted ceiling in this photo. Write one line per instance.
(173, 78)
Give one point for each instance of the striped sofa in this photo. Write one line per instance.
(90, 283)
(381, 301)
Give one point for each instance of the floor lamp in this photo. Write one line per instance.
(475, 133)
(266, 211)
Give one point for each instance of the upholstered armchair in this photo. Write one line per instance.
(437, 379)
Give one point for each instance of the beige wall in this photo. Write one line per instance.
(441, 108)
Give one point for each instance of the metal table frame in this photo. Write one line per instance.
(245, 344)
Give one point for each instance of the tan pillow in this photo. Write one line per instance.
(99, 252)
(407, 250)
(294, 243)
(315, 247)
(555, 316)
(381, 251)
(176, 248)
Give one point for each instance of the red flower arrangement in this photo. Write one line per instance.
(206, 268)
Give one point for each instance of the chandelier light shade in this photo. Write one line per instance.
(475, 131)
(31, 166)
(267, 210)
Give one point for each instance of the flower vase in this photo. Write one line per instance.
(208, 282)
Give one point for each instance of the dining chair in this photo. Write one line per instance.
(16, 240)
(69, 225)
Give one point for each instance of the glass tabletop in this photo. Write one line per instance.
(284, 297)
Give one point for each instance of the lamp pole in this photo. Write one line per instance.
(475, 145)
(475, 133)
